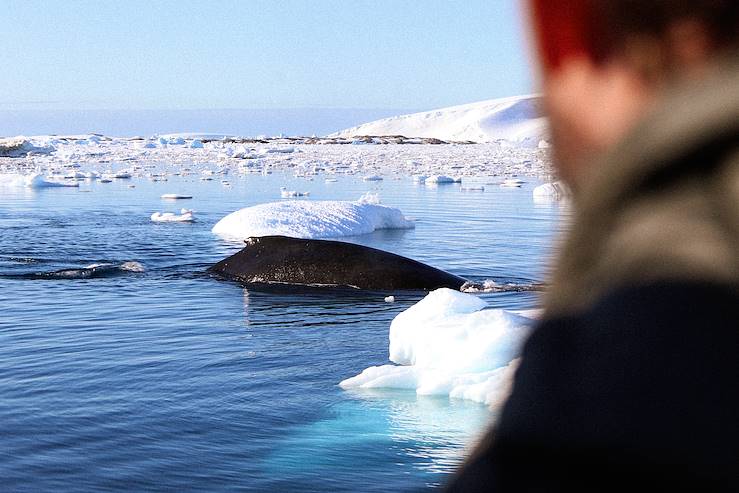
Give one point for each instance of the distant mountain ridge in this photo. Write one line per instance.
(516, 119)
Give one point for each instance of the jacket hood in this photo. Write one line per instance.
(663, 204)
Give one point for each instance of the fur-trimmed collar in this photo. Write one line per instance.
(663, 204)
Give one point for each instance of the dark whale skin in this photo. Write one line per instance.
(294, 261)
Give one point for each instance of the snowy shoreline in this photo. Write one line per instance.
(73, 156)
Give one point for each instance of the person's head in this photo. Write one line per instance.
(604, 63)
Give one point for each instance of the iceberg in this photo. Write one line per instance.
(554, 191)
(35, 180)
(450, 344)
(21, 147)
(185, 216)
(440, 179)
(311, 219)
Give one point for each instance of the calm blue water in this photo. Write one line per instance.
(172, 380)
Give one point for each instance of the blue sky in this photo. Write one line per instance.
(260, 54)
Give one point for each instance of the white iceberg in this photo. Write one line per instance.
(440, 179)
(311, 219)
(21, 147)
(449, 344)
(555, 191)
(185, 216)
(35, 180)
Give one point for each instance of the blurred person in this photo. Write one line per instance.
(630, 380)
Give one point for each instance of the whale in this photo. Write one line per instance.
(282, 260)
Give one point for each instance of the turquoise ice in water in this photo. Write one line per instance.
(169, 379)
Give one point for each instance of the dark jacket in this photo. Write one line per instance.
(631, 379)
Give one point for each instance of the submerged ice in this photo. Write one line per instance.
(450, 344)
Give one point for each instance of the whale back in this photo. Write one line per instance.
(285, 260)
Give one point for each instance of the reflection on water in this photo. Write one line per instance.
(171, 379)
(425, 436)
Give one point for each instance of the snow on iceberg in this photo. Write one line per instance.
(449, 344)
(311, 219)
(21, 147)
(516, 119)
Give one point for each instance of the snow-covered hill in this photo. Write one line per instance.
(516, 119)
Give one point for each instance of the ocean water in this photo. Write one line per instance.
(170, 379)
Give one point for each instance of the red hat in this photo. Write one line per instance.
(566, 29)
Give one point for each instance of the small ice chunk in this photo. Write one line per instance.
(369, 198)
(555, 190)
(389, 299)
(285, 193)
(512, 183)
(175, 196)
(38, 181)
(439, 179)
(185, 216)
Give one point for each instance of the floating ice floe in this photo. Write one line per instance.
(285, 193)
(185, 216)
(450, 344)
(512, 183)
(554, 191)
(441, 179)
(175, 196)
(118, 175)
(35, 180)
(311, 219)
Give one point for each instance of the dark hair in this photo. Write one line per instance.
(621, 20)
